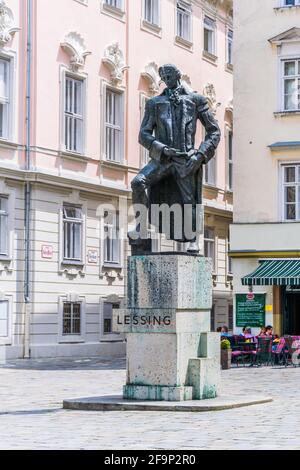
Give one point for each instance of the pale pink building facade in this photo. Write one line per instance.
(71, 108)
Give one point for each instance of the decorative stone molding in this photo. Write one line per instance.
(7, 24)
(152, 77)
(291, 35)
(114, 60)
(229, 107)
(74, 46)
(210, 94)
(227, 4)
(186, 82)
(111, 274)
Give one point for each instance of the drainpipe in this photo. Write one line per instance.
(28, 185)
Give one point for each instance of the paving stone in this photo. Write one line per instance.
(31, 395)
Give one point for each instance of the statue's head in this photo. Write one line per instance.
(170, 74)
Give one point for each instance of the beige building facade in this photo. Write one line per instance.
(265, 236)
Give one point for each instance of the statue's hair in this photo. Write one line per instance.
(169, 66)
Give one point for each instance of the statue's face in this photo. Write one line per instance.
(170, 77)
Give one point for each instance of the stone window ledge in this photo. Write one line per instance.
(286, 113)
(113, 11)
(186, 44)
(211, 58)
(4, 143)
(74, 155)
(112, 164)
(151, 28)
(286, 7)
(229, 67)
(66, 262)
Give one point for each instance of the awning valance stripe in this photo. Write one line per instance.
(275, 273)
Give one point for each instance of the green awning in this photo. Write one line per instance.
(275, 273)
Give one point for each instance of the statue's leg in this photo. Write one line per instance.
(147, 177)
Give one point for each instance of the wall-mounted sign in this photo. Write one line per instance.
(93, 256)
(250, 310)
(47, 251)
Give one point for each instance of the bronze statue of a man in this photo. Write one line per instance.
(175, 171)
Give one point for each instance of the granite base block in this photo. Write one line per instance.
(157, 393)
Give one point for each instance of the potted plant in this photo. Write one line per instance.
(225, 354)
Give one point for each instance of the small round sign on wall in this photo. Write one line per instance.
(250, 296)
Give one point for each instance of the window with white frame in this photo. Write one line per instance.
(3, 226)
(4, 98)
(229, 259)
(230, 160)
(74, 114)
(114, 125)
(209, 35)
(71, 318)
(4, 318)
(291, 85)
(184, 20)
(210, 172)
(291, 192)
(72, 233)
(112, 243)
(108, 308)
(210, 245)
(229, 47)
(290, 3)
(151, 11)
(114, 4)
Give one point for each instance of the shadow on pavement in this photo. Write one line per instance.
(66, 364)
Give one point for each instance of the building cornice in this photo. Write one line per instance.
(61, 181)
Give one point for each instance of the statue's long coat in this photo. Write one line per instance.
(174, 125)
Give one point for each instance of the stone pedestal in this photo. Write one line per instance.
(171, 355)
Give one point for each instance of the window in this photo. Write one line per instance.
(4, 309)
(74, 122)
(184, 16)
(72, 233)
(229, 47)
(291, 85)
(291, 192)
(229, 259)
(114, 126)
(209, 35)
(71, 318)
(3, 226)
(210, 172)
(108, 308)
(209, 245)
(111, 238)
(151, 11)
(114, 3)
(290, 3)
(230, 160)
(4, 98)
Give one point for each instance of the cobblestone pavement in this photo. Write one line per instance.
(31, 417)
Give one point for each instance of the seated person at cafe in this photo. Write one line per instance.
(262, 332)
(269, 330)
(224, 331)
